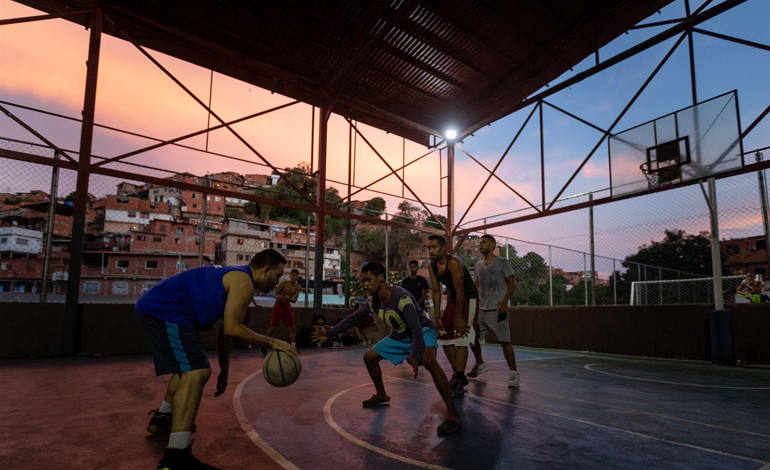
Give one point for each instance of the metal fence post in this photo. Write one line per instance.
(52, 202)
(387, 252)
(307, 260)
(550, 277)
(660, 284)
(202, 226)
(593, 251)
(585, 277)
(614, 284)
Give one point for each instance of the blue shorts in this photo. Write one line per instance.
(175, 348)
(396, 350)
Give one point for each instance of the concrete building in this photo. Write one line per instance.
(20, 242)
(126, 214)
(242, 239)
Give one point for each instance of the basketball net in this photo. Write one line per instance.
(660, 174)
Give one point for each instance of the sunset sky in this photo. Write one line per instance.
(42, 65)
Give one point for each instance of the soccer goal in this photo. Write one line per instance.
(682, 291)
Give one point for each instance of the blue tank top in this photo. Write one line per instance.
(193, 298)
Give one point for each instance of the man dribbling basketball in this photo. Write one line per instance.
(172, 313)
(412, 337)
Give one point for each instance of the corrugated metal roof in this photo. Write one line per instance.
(406, 66)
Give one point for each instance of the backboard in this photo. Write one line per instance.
(693, 143)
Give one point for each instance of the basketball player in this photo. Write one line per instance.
(172, 313)
(412, 337)
(286, 294)
(495, 282)
(456, 324)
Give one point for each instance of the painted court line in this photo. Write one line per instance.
(631, 410)
(366, 445)
(253, 435)
(646, 436)
(534, 359)
(589, 367)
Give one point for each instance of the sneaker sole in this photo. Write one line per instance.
(377, 405)
(153, 429)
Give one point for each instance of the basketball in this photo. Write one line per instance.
(281, 369)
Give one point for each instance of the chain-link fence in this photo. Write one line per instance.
(653, 249)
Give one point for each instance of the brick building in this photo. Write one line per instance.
(124, 214)
(161, 236)
(746, 255)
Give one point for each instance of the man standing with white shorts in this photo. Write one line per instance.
(495, 281)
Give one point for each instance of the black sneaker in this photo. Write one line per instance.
(462, 379)
(159, 422)
(182, 459)
(263, 351)
(456, 387)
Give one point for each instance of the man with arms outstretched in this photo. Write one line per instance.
(172, 313)
(457, 324)
(412, 337)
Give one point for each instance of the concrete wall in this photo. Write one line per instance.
(669, 331)
(36, 329)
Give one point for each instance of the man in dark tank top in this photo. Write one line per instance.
(457, 323)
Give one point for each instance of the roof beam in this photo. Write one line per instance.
(641, 47)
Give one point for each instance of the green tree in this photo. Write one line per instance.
(233, 213)
(374, 207)
(431, 221)
(407, 213)
(677, 255)
(371, 242)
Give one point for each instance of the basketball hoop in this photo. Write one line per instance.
(661, 174)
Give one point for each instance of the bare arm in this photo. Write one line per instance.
(502, 307)
(436, 298)
(456, 270)
(240, 291)
(424, 297)
(223, 352)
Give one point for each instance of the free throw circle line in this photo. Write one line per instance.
(253, 435)
(589, 367)
(364, 444)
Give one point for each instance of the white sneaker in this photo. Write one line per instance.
(513, 379)
(336, 345)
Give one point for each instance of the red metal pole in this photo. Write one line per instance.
(320, 225)
(450, 185)
(70, 335)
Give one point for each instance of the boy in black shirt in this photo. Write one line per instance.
(416, 285)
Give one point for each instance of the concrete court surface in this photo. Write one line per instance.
(573, 411)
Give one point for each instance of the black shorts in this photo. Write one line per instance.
(175, 348)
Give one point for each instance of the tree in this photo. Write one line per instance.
(233, 213)
(371, 242)
(677, 255)
(407, 213)
(431, 221)
(374, 207)
(677, 251)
